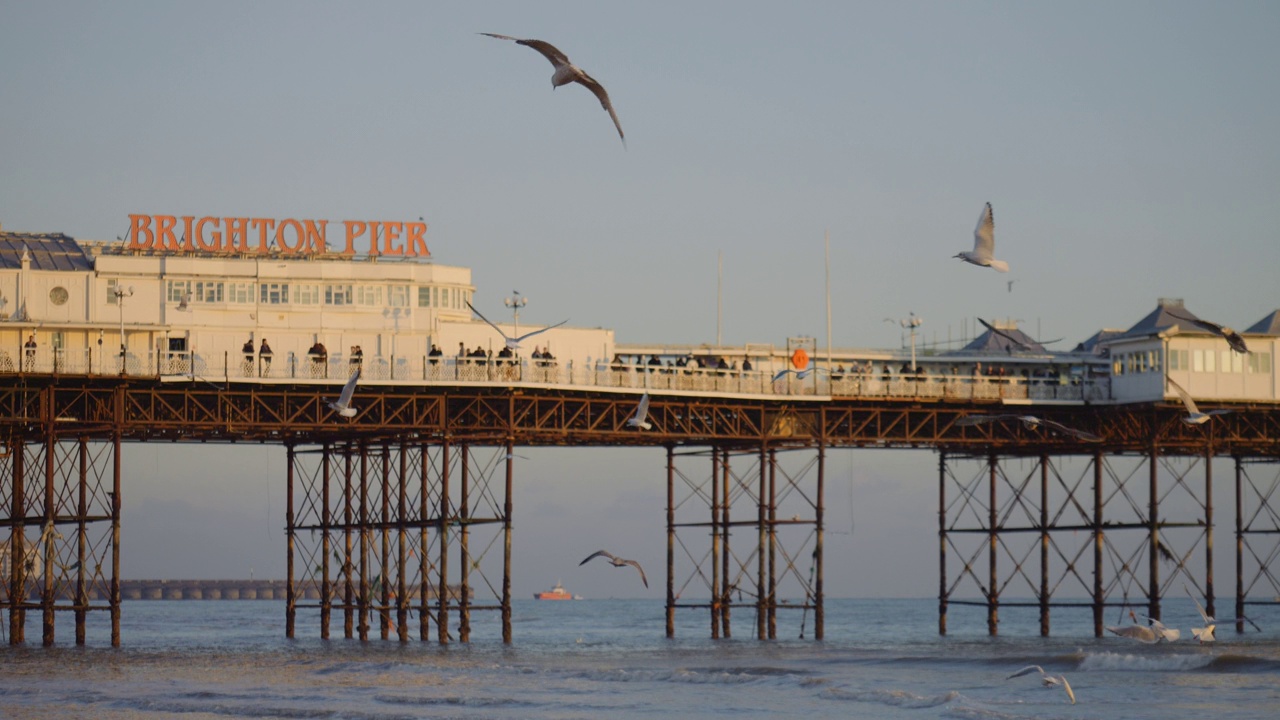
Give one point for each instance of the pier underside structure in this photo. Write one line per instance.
(402, 518)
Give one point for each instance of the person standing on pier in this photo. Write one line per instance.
(247, 367)
(264, 354)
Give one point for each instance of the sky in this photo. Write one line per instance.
(1128, 149)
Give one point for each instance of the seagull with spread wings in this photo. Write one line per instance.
(513, 343)
(342, 405)
(984, 244)
(1047, 679)
(617, 562)
(1031, 422)
(640, 418)
(1205, 634)
(1194, 416)
(1232, 337)
(566, 72)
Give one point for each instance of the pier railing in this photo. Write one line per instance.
(931, 384)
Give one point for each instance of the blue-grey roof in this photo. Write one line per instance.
(47, 251)
(1269, 325)
(994, 343)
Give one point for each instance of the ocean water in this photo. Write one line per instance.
(611, 659)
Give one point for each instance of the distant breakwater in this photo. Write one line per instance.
(219, 590)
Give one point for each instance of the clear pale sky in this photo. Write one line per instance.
(1129, 149)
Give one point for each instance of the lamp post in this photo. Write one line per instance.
(515, 302)
(121, 294)
(911, 322)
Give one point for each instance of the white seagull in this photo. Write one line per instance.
(984, 244)
(184, 303)
(1205, 634)
(1049, 680)
(513, 343)
(1031, 422)
(566, 72)
(617, 562)
(639, 419)
(1232, 337)
(342, 405)
(1194, 416)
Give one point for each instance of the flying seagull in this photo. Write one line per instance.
(984, 244)
(1194, 416)
(566, 72)
(1232, 337)
(617, 562)
(514, 343)
(1205, 634)
(1031, 422)
(342, 405)
(639, 420)
(184, 303)
(1049, 680)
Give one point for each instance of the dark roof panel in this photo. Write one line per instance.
(47, 251)
(1269, 325)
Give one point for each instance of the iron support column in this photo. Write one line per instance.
(1210, 603)
(942, 542)
(1098, 541)
(1153, 532)
(671, 542)
(464, 510)
(115, 539)
(363, 600)
(506, 546)
(402, 550)
(47, 535)
(442, 590)
(1239, 546)
(17, 549)
(290, 597)
(819, 610)
(762, 537)
(82, 543)
(326, 525)
(1044, 545)
(726, 586)
(716, 595)
(993, 592)
(773, 544)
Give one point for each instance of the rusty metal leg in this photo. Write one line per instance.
(1099, 542)
(1044, 545)
(762, 537)
(506, 548)
(993, 588)
(819, 596)
(115, 540)
(726, 572)
(716, 595)
(1210, 602)
(442, 592)
(326, 523)
(402, 510)
(348, 568)
(424, 515)
(290, 596)
(384, 557)
(82, 543)
(773, 544)
(362, 597)
(671, 542)
(464, 517)
(1239, 544)
(1153, 535)
(942, 542)
(46, 548)
(17, 543)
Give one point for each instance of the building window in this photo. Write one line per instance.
(208, 292)
(337, 294)
(369, 295)
(1260, 362)
(1210, 361)
(424, 296)
(306, 294)
(177, 289)
(1197, 361)
(398, 296)
(1178, 360)
(240, 292)
(274, 293)
(111, 292)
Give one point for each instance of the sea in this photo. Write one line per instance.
(611, 659)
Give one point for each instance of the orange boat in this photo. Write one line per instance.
(556, 593)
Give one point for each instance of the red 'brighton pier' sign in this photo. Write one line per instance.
(242, 235)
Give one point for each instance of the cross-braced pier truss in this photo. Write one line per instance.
(60, 542)
(1105, 531)
(744, 531)
(387, 530)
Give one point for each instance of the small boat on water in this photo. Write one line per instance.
(556, 593)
